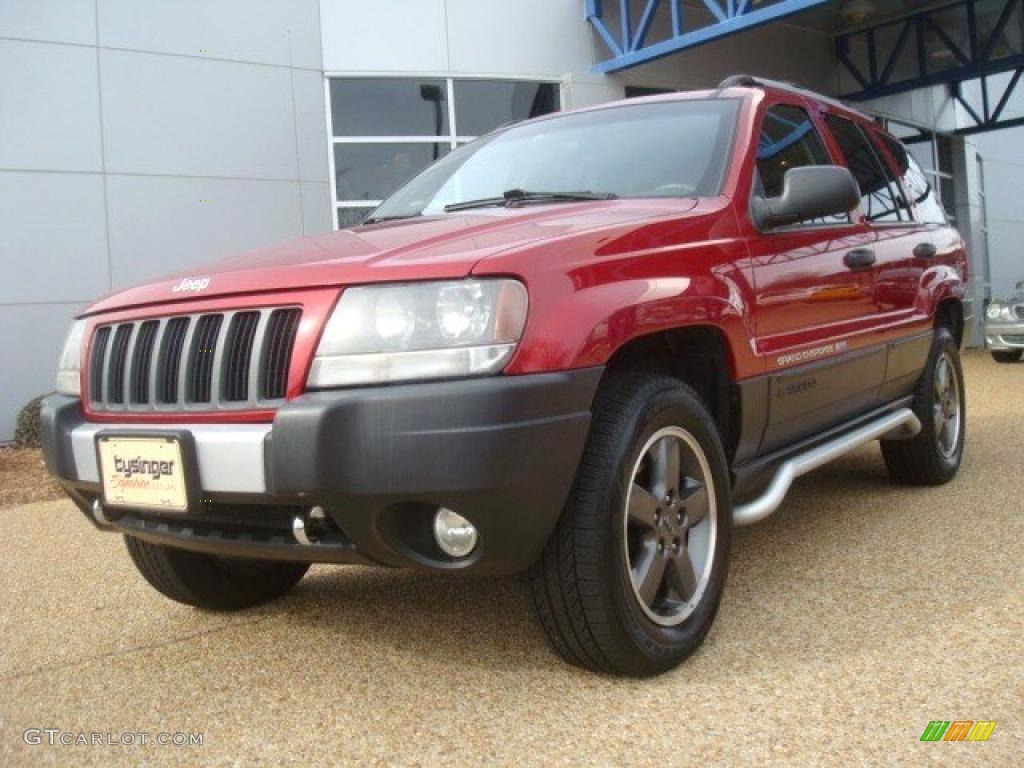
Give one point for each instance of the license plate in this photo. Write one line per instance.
(143, 473)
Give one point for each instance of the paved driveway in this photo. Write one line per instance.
(853, 617)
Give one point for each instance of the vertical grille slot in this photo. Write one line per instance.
(116, 370)
(169, 363)
(142, 361)
(200, 381)
(277, 352)
(97, 359)
(238, 356)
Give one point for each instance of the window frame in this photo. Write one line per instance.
(828, 142)
(452, 138)
(894, 184)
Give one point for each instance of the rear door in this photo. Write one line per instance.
(899, 237)
(903, 248)
(809, 300)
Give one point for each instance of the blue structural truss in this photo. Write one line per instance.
(627, 35)
(951, 44)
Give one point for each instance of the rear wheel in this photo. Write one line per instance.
(632, 577)
(934, 456)
(207, 581)
(1008, 356)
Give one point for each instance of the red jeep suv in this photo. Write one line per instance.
(583, 346)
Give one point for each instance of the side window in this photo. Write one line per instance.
(788, 139)
(916, 183)
(881, 200)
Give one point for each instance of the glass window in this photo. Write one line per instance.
(668, 149)
(350, 217)
(879, 196)
(916, 183)
(387, 129)
(373, 171)
(638, 91)
(483, 105)
(389, 107)
(788, 139)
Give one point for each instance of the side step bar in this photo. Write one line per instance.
(899, 425)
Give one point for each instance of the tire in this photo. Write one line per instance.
(210, 582)
(583, 584)
(1008, 356)
(934, 456)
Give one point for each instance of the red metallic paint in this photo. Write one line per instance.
(603, 273)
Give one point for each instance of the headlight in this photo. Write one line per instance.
(1000, 312)
(429, 330)
(70, 366)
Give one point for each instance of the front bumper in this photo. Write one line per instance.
(500, 451)
(1004, 337)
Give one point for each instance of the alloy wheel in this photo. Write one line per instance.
(946, 408)
(670, 525)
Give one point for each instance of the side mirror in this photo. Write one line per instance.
(809, 192)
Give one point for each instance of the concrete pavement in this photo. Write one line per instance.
(854, 616)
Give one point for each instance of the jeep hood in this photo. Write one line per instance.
(435, 247)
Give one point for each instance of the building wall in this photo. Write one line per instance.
(1003, 163)
(138, 139)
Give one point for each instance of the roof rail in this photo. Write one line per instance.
(749, 81)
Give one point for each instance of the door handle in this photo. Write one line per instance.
(925, 251)
(860, 258)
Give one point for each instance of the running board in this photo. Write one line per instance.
(899, 425)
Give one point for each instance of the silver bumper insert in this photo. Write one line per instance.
(229, 456)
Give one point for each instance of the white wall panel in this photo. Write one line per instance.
(163, 225)
(526, 37)
(65, 21)
(385, 36)
(310, 125)
(182, 116)
(53, 244)
(268, 31)
(49, 113)
(316, 207)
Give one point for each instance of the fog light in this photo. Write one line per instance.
(455, 535)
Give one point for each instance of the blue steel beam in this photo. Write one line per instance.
(974, 57)
(985, 117)
(632, 48)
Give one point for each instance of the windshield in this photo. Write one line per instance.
(662, 149)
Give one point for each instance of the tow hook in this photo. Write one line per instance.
(307, 529)
(99, 515)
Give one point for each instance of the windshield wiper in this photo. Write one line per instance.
(512, 197)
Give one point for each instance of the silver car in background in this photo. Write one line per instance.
(1004, 330)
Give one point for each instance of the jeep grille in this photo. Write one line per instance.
(208, 361)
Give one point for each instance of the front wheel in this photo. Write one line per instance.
(207, 581)
(632, 577)
(1007, 356)
(934, 456)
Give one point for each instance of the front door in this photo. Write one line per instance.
(815, 286)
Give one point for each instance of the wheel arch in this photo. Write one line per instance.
(698, 355)
(949, 313)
